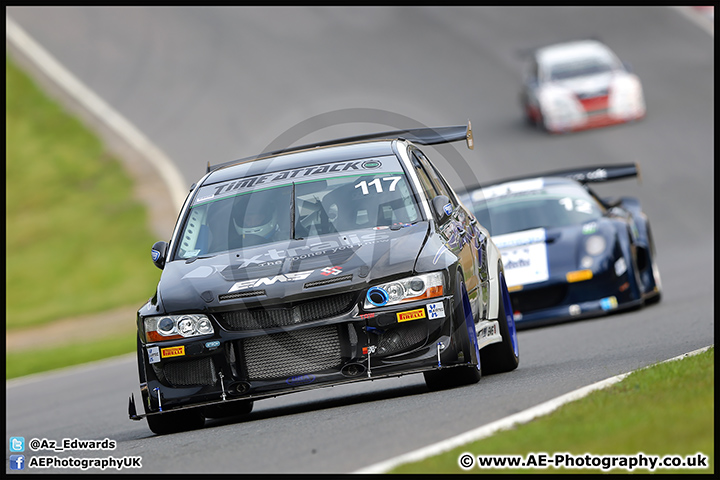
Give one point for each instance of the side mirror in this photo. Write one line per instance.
(442, 206)
(158, 252)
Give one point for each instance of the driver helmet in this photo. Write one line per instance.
(254, 221)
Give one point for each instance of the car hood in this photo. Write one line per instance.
(291, 270)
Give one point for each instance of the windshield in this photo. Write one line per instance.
(546, 207)
(296, 204)
(581, 68)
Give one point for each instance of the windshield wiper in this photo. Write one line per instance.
(192, 259)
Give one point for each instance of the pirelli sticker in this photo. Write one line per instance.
(411, 315)
(173, 352)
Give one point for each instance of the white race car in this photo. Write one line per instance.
(579, 85)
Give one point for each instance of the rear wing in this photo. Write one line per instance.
(601, 173)
(421, 136)
(595, 174)
(527, 52)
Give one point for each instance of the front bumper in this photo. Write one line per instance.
(558, 300)
(251, 364)
(594, 113)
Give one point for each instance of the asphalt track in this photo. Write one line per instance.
(216, 84)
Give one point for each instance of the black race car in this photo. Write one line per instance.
(569, 253)
(319, 265)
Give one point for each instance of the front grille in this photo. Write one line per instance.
(403, 338)
(598, 93)
(595, 104)
(287, 354)
(200, 371)
(233, 296)
(308, 311)
(538, 298)
(319, 283)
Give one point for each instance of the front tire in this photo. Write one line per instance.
(504, 356)
(464, 339)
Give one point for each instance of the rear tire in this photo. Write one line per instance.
(464, 338)
(504, 356)
(173, 422)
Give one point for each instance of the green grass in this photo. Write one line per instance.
(667, 409)
(18, 364)
(78, 241)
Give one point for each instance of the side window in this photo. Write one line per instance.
(436, 178)
(427, 185)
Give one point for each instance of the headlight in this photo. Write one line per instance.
(562, 103)
(595, 245)
(406, 290)
(559, 101)
(169, 327)
(626, 96)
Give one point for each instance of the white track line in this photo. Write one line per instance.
(502, 424)
(99, 108)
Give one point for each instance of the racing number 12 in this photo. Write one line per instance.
(378, 186)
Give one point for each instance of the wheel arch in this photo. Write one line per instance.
(495, 266)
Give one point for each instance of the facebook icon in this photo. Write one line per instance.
(17, 462)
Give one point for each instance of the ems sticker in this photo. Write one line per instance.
(411, 315)
(173, 351)
(153, 354)
(288, 277)
(436, 310)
